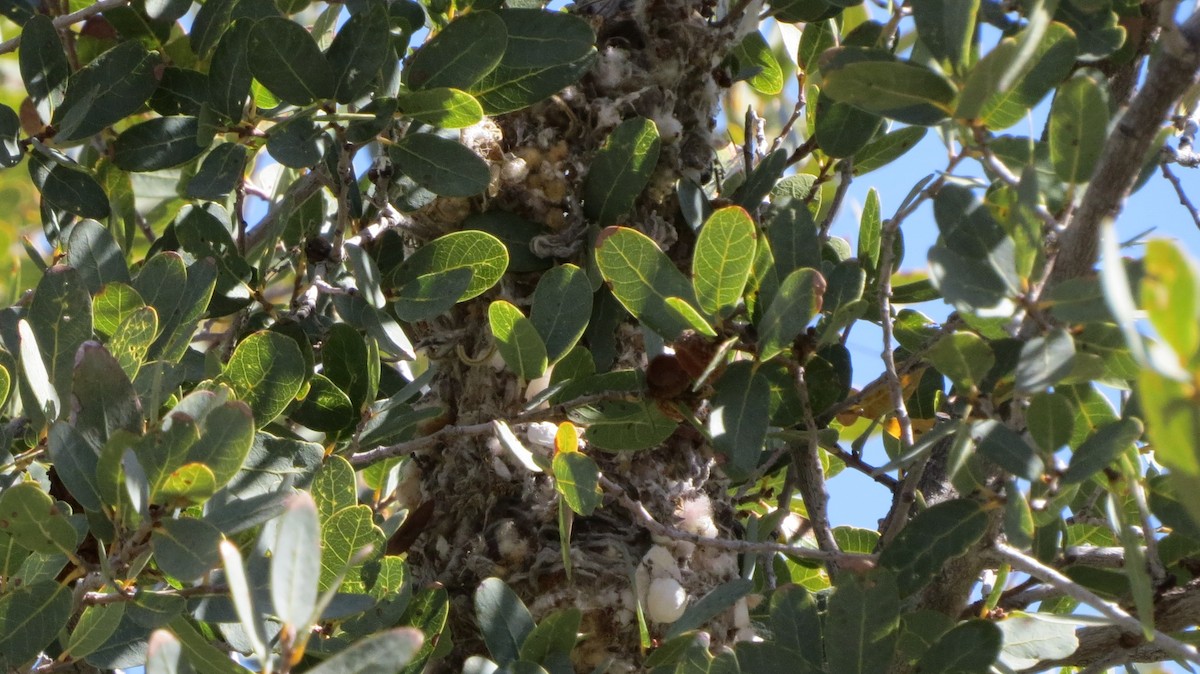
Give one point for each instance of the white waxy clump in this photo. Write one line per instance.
(665, 600)
(541, 433)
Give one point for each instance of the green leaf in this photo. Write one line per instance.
(358, 52)
(899, 90)
(480, 252)
(430, 295)
(92, 251)
(883, 151)
(758, 65)
(1050, 419)
(11, 152)
(333, 487)
(798, 300)
(326, 408)
(538, 38)
(562, 304)
(688, 314)
(1007, 449)
(740, 415)
(1018, 517)
(266, 371)
(445, 167)
(34, 521)
(518, 340)
(96, 624)
(1170, 295)
(163, 653)
(443, 106)
(43, 61)
(75, 462)
(229, 75)
(503, 619)
(937, 535)
(69, 188)
(384, 652)
(219, 173)
(104, 399)
(343, 535)
(296, 563)
(284, 57)
(61, 318)
(620, 171)
(946, 27)
(969, 648)
(132, 339)
(553, 638)
(460, 54)
(508, 89)
(621, 425)
(44, 400)
(105, 91)
(1051, 61)
(722, 259)
(157, 144)
(297, 143)
(179, 295)
(1078, 127)
(113, 304)
(186, 548)
(31, 616)
(964, 357)
(862, 623)
(841, 129)
(1045, 360)
(577, 479)
(1102, 448)
(427, 612)
(642, 278)
(346, 357)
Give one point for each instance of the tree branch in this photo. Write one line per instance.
(1125, 624)
(1169, 77)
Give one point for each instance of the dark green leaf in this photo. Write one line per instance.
(93, 253)
(946, 27)
(430, 295)
(620, 171)
(284, 57)
(621, 425)
(107, 90)
(1102, 448)
(346, 360)
(937, 535)
(798, 300)
(553, 638)
(508, 89)
(1007, 449)
(157, 144)
(1078, 127)
(460, 54)
(841, 129)
(104, 398)
(1045, 360)
(186, 548)
(43, 61)
(444, 167)
(1051, 420)
(883, 151)
(740, 415)
(562, 303)
(11, 152)
(61, 317)
(219, 172)
(903, 91)
(70, 188)
(299, 143)
(862, 623)
(538, 38)
(1051, 61)
(326, 408)
(969, 648)
(31, 617)
(96, 624)
(358, 52)
(229, 71)
(503, 619)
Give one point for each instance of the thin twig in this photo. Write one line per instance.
(68, 19)
(657, 528)
(845, 177)
(1183, 197)
(1026, 564)
(807, 461)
